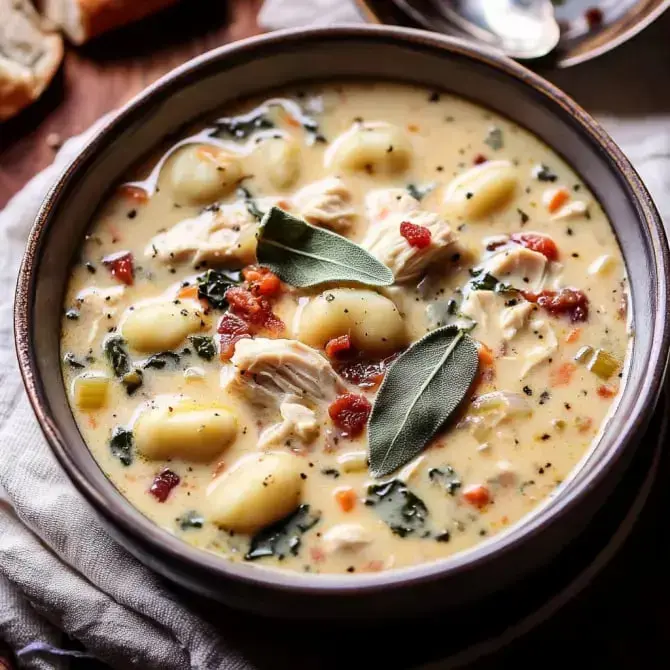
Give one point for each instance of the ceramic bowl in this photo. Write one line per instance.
(285, 58)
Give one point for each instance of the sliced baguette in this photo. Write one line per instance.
(30, 54)
(82, 20)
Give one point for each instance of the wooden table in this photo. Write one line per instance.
(622, 620)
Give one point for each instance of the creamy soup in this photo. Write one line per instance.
(345, 329)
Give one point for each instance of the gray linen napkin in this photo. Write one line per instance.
(60, 571)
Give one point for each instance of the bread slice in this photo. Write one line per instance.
(83, 19)
(30, 54)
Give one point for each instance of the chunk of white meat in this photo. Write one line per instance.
(345, 537)
(218, 235)
(298, 421)
(514, 318)
(546, 347)
(384, 241)
(98, 304)
(520, 267)
(479, 306)
(326, 203)
(268, 371)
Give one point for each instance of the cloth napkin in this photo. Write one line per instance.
(60, 572)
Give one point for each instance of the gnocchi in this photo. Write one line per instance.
(281, 159)
(184, 430)
(258, 490)
(377, 147)
(203, 173)
(161, 326)
(372, 321)
(481, 190)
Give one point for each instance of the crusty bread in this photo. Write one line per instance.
(83, 19)
(30, 53)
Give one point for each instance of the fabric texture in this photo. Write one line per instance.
(60, 572)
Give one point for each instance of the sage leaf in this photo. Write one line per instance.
(303, 255)
(421, 390)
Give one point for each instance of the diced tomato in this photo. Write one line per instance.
(570, 301)
(605, 391)
(543, 244)
(583, 423)
(338, 346)
(479, 159)
(232, 329)
(365, 373)
(594, 17)
(262, 281)
(486, 356)
(163, 483)
(350, 413)
(136, 193)
(416, 236)
(346, 498)
(562, 375)
(477, 495)
(253, 309)
(121, 266)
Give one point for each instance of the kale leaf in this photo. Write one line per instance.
(204, 346)
(212, 286)
(445, 477)
(402, 511)
(159, 361)
(121, 445)
(117, 355)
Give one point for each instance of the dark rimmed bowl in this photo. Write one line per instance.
(287, 57)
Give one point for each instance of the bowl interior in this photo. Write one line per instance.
(254, 66)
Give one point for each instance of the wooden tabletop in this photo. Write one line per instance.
(621, 621)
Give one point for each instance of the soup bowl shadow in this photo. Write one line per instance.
(287, 58)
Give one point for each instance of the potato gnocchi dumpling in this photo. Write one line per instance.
(481, 190)
(258, 490)
(374, 147)
(204, 173)
(161, 326)
(372, 321)
(236, 408)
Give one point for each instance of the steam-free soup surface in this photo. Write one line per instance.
(231, 407)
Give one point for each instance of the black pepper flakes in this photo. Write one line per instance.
(527, 390)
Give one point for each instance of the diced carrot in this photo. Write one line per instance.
(135, 193)
(558, 199)
(573, 335)
(605, 391)
(583, 423)
(346, 498)
(562, 375)
(413, 128)
(188, 293)
(477, 495)
(486, 356)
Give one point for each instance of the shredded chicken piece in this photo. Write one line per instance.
(540, 353)
(478, 305)
(387, 209)
(99, 303)
(345, 537)
(514, 318)
(520, 267)
(267, 371)
(298, 421)
(326, 203)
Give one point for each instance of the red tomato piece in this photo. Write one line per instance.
(479, 159)
(543, 244)
(232, 329)
(262, 281)
(338, 346)
(594, 17)
(163, 483)
(253, 309)
(605, 391)
(365, 373)
(570, 301)
(121, 266)
(350, 413)
(416, 236)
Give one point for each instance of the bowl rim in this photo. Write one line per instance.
(145, 531)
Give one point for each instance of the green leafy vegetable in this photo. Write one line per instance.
(250, 203)
(483, 281)
(204, 346)
(121, 445)
(303, 255)
(191, 519)
(400, 509)
(445, 477)
(115, 351)
(159, 361)
(240, 127)
(132, 380)
(213, 286)
(283, 537)
(419, 192)
(494, 138)
(544, 173)
(420, 391)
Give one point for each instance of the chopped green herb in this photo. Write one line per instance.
(212, 286)
(204, 346)
(121, 445)
(402, 511)
(330, 472)
(484, 281)
(446, 477)
(494, 138)
(250, 203)
(544, 173)
(132, 381)
(284, 537)
(419, 192)
(116, 354)
(524, 217)
(191, 519)
(159, 361)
